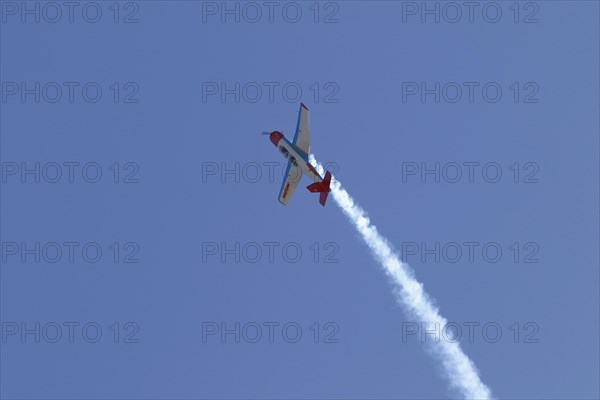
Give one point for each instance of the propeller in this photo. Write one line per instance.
(266, 133)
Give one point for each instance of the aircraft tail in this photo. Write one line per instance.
(322, 188)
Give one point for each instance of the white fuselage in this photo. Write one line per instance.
(298, 159)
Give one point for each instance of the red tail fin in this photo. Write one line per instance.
(322, 188)
(326, 184)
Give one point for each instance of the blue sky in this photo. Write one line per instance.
(175, 134)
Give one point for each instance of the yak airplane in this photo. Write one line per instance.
(297, 154)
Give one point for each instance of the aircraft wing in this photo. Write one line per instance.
(293, 174)
(302, 136)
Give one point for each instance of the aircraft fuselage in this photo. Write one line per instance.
(295, 156)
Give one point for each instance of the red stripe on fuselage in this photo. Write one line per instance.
(312, 169)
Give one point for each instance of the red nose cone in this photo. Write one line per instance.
(276, 137)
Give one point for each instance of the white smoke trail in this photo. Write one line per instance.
(459, 369)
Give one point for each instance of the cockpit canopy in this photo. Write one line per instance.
(287, 154)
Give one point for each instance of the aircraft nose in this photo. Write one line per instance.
(275, 137)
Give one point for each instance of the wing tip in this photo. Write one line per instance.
(304, 105)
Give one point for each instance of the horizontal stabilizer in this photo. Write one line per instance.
(321, 187)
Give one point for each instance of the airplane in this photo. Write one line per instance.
(298, 165)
